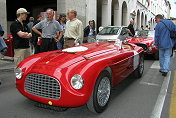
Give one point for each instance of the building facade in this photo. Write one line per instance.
(104, 12)
(118, 12)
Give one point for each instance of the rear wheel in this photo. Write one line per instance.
(139, 71)
(101, 93)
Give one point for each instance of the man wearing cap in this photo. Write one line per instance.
(49, 33)
(21, 35)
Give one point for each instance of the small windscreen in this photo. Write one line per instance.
(145, 33)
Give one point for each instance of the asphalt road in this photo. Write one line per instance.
(133, 98)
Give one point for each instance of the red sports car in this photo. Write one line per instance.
(145, 39)
(78, 75)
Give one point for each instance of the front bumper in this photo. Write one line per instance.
(68, 96)
(151, 51)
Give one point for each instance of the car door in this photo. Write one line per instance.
(121, 69)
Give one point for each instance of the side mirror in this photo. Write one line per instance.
(100, 28)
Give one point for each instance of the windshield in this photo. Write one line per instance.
(145, 33)
(109, 31)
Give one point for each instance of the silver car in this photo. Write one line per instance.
(112, 33)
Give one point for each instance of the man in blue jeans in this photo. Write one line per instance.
(164, 42)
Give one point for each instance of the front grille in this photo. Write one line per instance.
(144, 46)
(42, 86)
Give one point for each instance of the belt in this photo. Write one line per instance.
(48, 38)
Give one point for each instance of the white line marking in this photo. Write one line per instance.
(156, 113)
(173, 55)
(149, 84)
(155, 65)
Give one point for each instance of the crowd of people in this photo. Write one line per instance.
(50, 34)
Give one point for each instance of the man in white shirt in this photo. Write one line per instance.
(74, 30)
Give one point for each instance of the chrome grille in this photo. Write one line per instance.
(43, 86)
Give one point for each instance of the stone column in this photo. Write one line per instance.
(91, 10)
(3, 15)
(116, 14)
(79, 6)
(61, 6)
(105, 13)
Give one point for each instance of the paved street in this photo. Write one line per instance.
(131, 99)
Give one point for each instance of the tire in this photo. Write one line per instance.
(32, 49)
(102, 89)
(139, 71)
(156, 56)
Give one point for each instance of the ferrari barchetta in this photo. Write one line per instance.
(80, 75)
(145, 39)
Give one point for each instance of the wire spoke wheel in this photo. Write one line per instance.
(103, 92)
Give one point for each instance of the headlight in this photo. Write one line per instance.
(150, 48)
(77, 82)
(18, 73)
(153, 45)
(125, 41)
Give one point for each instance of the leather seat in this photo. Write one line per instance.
(128, 46)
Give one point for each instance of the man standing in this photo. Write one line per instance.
(74, 30)
(3, 46)
(89, 32)
(62, 20)
(49, 29)
(164, 42)
(21, 35)
(147, 28)
(35, 36)
(31, 23)
(142, 27)
(131, 28)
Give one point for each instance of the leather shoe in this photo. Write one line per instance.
(164, 74)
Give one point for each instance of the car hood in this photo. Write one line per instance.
(144, 40)
(61, 59)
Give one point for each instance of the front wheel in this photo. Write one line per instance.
(139, 71)
(101, 93)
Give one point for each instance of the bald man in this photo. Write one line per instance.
(131, 28)
(49, 28)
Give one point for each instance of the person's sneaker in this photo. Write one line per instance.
(164, 74)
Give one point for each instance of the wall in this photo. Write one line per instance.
(78, 5)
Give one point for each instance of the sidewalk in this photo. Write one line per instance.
(7, 63)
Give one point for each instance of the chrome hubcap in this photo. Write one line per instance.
(104, 90)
